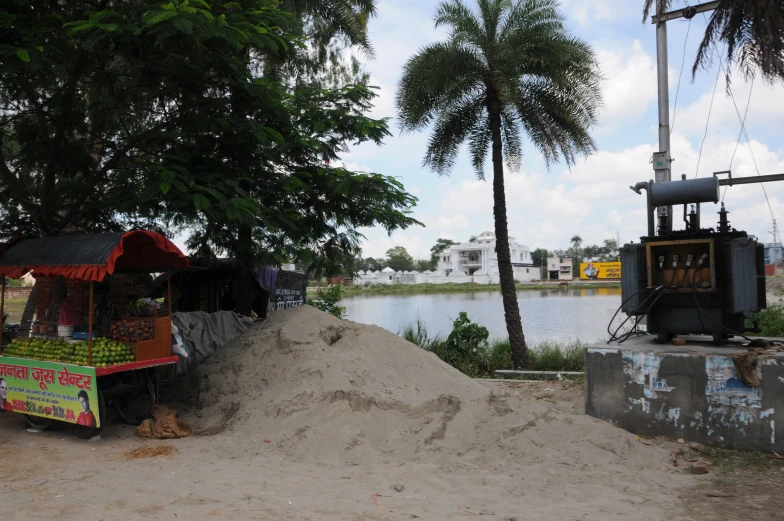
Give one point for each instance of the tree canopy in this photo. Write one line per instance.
(438, 248)
(161, 115)
(399, 259)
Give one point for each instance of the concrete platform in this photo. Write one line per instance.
(690, 392)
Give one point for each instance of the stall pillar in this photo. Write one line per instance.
(168, 290)
(90, 329)
(2, 315)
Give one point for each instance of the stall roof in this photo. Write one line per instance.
(90, 257)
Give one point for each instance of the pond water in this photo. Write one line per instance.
(559, 314)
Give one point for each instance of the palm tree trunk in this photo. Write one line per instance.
(514, 325)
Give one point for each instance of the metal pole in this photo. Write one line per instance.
(664, 107)
(2, 315)
(90, 329)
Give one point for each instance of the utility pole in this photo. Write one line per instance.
(662, 159)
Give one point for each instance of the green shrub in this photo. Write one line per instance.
(770, 321)
(328, 301)
(468, 350)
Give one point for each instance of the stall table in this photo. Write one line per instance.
(50, 391)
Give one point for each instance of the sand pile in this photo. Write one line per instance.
(341, 394)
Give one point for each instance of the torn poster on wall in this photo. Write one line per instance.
(643, 368)
(725, 388)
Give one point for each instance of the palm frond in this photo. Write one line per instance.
(462, 22)
(453, 126)
(518, 53)
(478, 145)
(754, 36)
(510, 134)
(753, 32)
(433, 80)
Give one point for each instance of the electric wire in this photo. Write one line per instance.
(740, 134)
(707, 122)
(700, 312)
(678, 89)
(748, 141)
(614, 335)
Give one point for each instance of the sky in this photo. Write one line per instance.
(592, 199)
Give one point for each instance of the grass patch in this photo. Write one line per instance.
(14, 307)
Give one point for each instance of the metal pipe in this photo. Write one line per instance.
(686, 12)
(752, 179)
(646, 185)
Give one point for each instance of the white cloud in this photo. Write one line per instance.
(593, 199)
(586, 13)
(629, 86)
(766, 111)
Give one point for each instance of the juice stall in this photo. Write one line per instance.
(58, 374)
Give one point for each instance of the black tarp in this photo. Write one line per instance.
(66, 250)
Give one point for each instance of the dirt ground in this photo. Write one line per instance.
(775, 288)
(52, 475)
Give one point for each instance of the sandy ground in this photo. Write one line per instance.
(54, 476)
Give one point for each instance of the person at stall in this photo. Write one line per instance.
(86, 417)
(4, 405)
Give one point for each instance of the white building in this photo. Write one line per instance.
(475, 261)
(559, 268)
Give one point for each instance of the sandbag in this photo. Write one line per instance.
(164, 425)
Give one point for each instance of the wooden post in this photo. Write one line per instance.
(168, 291)
(2, 315)
(90, 329)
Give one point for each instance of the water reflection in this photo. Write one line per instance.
(562, 314)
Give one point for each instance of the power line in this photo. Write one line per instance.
(740, 134)
(678, 90)
(707, 121)
(743, 132)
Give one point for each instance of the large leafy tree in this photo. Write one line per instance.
(399, 259)
(330, 27)
(752, 30)
(121, 114)
(438, 248)
(508, 67)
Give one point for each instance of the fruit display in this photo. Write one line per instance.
(106, 351)
(134, 330)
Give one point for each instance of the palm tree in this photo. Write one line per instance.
(753, 31)
(576, 241)
(331, 26)
(508, 68)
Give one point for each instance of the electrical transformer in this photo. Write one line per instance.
(695, 281)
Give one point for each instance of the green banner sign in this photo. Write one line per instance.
(63, 392)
